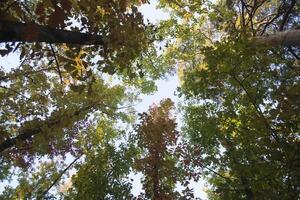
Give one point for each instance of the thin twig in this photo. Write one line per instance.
(286, 15)
(59, 177)
(243, 15)
(27, 10)
(10, 5)
(24, 73)
(57, 64)
(15, 91)
(216, 173)
(257, 109)
(293, 53)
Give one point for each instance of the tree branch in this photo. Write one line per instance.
(285, 38)
(9, 6)
(32, 32)
(15, 91)
(57, 64)
(24, 73)
(286, 15)
(28, 132)
(293, 53)
(59, 177)
(257, 109)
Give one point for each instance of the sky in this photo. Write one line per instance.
(166, 89)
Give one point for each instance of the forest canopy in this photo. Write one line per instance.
(68, 125)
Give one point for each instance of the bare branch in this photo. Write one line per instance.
(59, 177)
(286, 15)
(57, 64)
(15, 91)
(257, 109)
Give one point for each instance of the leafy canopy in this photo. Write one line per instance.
(241, 98)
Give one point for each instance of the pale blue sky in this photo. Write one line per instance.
(167, 87)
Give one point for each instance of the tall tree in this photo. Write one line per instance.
(57, 85)
(157, 137)
(163, 157)
(241, 96)
(76, 61)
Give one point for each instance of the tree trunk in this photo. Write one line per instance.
(31, 32)
(156, 189)
(286, 38)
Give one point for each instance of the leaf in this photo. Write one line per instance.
(78, 88)
(108, 69)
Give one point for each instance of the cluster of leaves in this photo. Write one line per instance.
(33, 184)
(101, 168)
(103, 174)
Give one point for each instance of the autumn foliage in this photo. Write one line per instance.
(157, 137)
(71, 72)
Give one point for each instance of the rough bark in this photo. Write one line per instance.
(285, 38)
(32, 32)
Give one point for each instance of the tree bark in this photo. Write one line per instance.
(285, 38)
(32, 32)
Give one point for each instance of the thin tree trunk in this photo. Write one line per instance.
(286, 38)
(59, 177)
(32, 32)
(156, 189)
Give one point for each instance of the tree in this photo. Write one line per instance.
(157, 137)
(34, 96)
(164, 159)
(101, 168)
(61, 83)
(240, 95)
(103, 173)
